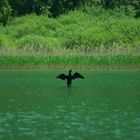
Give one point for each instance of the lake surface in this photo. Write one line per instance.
(34, 105)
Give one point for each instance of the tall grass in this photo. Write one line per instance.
(71, 61)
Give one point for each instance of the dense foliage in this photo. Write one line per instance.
(57, 7)
(85, 30)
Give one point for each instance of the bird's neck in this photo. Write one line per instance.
(69, 72)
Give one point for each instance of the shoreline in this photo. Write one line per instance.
(55, 67)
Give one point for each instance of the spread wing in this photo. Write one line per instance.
(62, 76)
(77, 75)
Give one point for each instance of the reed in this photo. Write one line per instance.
(70, 61)
(70, 58)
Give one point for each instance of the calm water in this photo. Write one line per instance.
(34, 105)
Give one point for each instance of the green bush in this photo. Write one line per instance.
(83, 29)
(36, 43)
(6, 42)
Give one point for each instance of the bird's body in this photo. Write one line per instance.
(70, 77)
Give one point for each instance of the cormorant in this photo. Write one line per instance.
(70, 77)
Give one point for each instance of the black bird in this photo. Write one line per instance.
(70, 77)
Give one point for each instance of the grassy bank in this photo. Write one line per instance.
(107, 61)
(43, 59)
(117, 58)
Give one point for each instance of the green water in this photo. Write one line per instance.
(34, 105)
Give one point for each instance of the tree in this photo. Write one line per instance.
(57, 7)
(5, 12)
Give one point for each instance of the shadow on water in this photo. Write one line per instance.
(103, 106)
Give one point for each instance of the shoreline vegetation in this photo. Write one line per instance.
(118, 58)
(92, 38)
(97, 59)
(74, 67)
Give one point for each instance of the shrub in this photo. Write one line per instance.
(82, 30)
